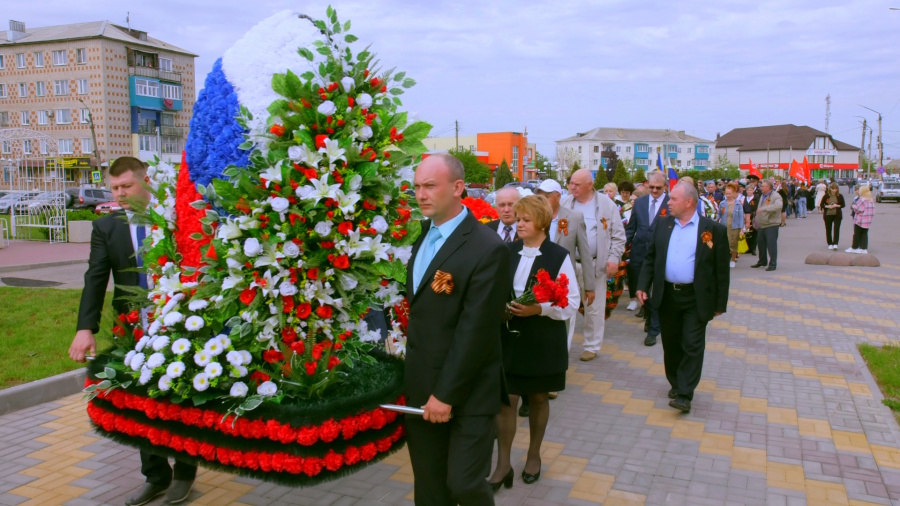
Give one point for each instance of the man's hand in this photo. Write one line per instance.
(436, 411)
(588, 297)
(642, 297)
(523, 311)
(84, 342)
(612, 268)
(717, 314)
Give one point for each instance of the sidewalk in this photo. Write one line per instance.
(786, 413)
(21, 255)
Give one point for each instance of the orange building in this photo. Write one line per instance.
(512, 147)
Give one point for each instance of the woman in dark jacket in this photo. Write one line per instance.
(800, 199)
(534, 340)
(831, 207)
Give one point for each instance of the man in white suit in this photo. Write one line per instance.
(606, 243)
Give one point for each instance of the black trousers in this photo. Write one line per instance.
(751, 237)
(860, 237)
(158, 471)
(832, 229)
(451, 461)
(683, 340)
(768, 245)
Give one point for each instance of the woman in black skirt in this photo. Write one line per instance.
(535, 352)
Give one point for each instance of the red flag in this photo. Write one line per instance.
(806, 175)
(796, 171)
(753, 170)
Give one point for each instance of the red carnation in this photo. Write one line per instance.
(133, 317)
(383, 445)
(311, 368)
(333, 461)
(304, 310)
(312, 274)
(350, 101)
(272, 356)
(368, 452)
(288, 335)
(277, 130)
(333, 362)
(162, 260)
(349, 427)
(320, 141)
(293, 464)
(248, 295)
(265, 461)
(341, 262)
(259, 377)
(298, 347)
(351, 455)
(287, 304)
(345, 227)
(318, 350)
(375, 82)
(327, 244)
(312, 466)
(278, 461)
(307, 436)
(138, 334)
(323, 312)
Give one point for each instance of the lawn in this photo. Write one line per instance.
(36, 328)
(884, 363)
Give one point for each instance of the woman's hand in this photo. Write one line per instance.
(524, 311)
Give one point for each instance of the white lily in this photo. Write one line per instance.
(228, 230)
(268, 284)
(333, 152)
(320, 189)
(352, 246)
(271, 175)
(380, 249)
(231, 281)
(347, 202)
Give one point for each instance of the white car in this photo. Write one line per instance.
(7, 201)
(889, 190)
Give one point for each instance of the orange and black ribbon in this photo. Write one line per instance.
(563, 226)
(443, 283)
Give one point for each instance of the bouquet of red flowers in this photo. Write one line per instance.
(547, 290)
(481, 210)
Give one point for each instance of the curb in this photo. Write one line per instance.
(26, 267)
(41, 391)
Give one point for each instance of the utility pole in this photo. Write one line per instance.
(862, 147)
(827, 111)
(869, 167)
(457, 134)
(93, 133)
(880, 145)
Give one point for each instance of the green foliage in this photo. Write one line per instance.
(542, 164)
(639, 176)
(476, 171)
(600, 179)
(82, 215)
(502, 176)
(884, 364)
(621, 173)
(703, 175)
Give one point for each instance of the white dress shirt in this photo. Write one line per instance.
(520, 282)
(589, 211)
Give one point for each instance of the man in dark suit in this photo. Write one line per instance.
(751, 202)
(638, 233)
(687, 273)
(505, 227)
(113, 244)
(457, 285)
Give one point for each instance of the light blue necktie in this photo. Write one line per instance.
(425, 256)
(141, 234)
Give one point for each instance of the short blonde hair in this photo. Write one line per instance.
(612, 186)
(865, 192)
(537, 207)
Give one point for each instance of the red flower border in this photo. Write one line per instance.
(308, 435)
(279, 462)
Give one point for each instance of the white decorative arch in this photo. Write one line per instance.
(16, 135)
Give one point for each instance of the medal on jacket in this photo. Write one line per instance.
(563, 226)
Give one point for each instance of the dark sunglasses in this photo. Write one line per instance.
(656, 187)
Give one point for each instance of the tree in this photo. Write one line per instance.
(543, 166)
(476, 171)
(566, 159)
(502, 176)
(600, 179)
(621, 174)
(639, 176)
(575, 167)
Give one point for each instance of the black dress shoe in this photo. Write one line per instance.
(682, 404)
(640, 313)
(147, 493)
(530, 478)
(770, 268)
(649, 340)
(507, 482)
(673, 393)
(524, 411)
(758, 264)
(179, 491)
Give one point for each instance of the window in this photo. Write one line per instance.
(579, 149)
(20, 60)
(40, 88)
(25, 117)
(679, 150)
(23, 90)
(618, 149)
(166, 119)
(43, 117)
(642, 148)
(146, 88)
(26, 146)
(171, 145)
(43, 146)
(471, 148)
(596, 149)
(147, 143)
(85, 115)
(2, 90)
(38, 59)
(4, 118)
(63, 116)
(7, 147)
(171, 91)
(86, 146)
(60, 87)
(82, 86)
(689, 150)
(165, 64)
(702, 150)
(642, 161)
(60, 57)
(515, 159)
(628, 149)
(80, 56)
(65, 146)
(2, 62)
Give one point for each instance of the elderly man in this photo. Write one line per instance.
(606, 243)
(709, 204)
(505, 199)
(568, 230)
(767, 221)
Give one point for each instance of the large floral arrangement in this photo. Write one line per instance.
(263, 267)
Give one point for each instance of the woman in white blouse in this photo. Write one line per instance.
(535, 353)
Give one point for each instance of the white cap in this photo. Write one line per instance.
(549, 186)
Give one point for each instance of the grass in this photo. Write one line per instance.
(884, 363)
(37, 326)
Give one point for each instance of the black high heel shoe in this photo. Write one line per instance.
(531, 478)
(507, 482)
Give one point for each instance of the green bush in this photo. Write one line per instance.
(81, 215)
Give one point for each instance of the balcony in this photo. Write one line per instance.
(153, 73)
(166, 131)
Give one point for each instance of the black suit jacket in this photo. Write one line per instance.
(638, 232)
(111, 250)
(711, 270)
(494, 225)
(453, 340)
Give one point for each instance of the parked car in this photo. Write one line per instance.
(39, 202)
(520, 184)
(107, 207)
(6, 202)
(534, 182)
(87, 198)
(476, 193)
(890, 190)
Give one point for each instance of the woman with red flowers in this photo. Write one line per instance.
(534, 340)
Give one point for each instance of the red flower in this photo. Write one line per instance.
(248, 295)
(369, 205)
(350, 101)
(272, 356)
(138, 334)
(259, 377)
(162, 260)
(368, 452)
(307, 436)
(320, 141)
(312, 274)
(312, 466)
(323, 312)
(333, 362)
(277, 130)
(351, 455)
(332, 87)
(298, 347)
(375, 82)
(311, 368)
(304, 310)
(345, 227)
(333, 461)
(118, 331)
(287, 304)
(288, 335)
(341, 262)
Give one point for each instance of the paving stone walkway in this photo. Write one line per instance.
(786, 413)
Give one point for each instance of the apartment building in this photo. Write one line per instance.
(493, 148)
(55, 81)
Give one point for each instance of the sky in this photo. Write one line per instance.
(562, 67)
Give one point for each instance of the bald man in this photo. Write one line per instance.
(606, 243)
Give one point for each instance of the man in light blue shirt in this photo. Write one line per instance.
(435, 238)
(682, 251)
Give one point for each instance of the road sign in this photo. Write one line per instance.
(96, 176)
(881, 170)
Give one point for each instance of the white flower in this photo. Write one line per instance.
(327, 108)
(295, 154)
(231, 281)
(194, 323)
(142, 343)
(406, 174)
(333, 151)
(223, 340)
(165, 383)
(201, 382)
(213, 347)
(347, 83)
(156, 360)
(181, 346)
(137, 361)
(348, 282)
(252, 247)
(202, 358)
(154, 327)
(290, 250)
(239, 389)
(272, 174)
(364, 100)
(323, 228)
(377, 248)
(347, 203)
(129, 357)
(279, 204)
(364, 133)
(355, 182)
(287, 289)
(172, 318)
(267, 389)
(146, 376)
(380, 224)
(172, 302)
(228, 230)
(239, 371)
(213, 369)
(319, 189)
(234, 358)
(402, 253)
(198, 304)
(175, 369)
(233, 264)
(160, 342)
(246, 356)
